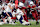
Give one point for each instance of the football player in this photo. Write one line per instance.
(8, 11)
(33, 11)
(21, 13)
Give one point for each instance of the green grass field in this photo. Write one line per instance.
(20, 25)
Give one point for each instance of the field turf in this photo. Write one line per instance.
(20, 25)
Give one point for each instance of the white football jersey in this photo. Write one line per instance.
(13, 14)
(20, 13)
(13, 4)
(7, 9)
(1, 6)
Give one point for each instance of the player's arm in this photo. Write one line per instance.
(7, 14)
(27, 7)
(34, 7)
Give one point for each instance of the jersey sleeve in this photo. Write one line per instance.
(29, 6)
(34, 6)
(24, 7)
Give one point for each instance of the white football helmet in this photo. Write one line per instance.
(21, 4)
(13, 4)
(31, 3)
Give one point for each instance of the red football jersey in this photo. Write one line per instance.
(32, 6)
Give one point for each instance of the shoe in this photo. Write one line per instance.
(37, 23)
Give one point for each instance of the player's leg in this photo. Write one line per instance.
(34, 15)
(13, 20)
(9, 17)
(4, 17)
(21, 20)
(25, 18)
(0, 16)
